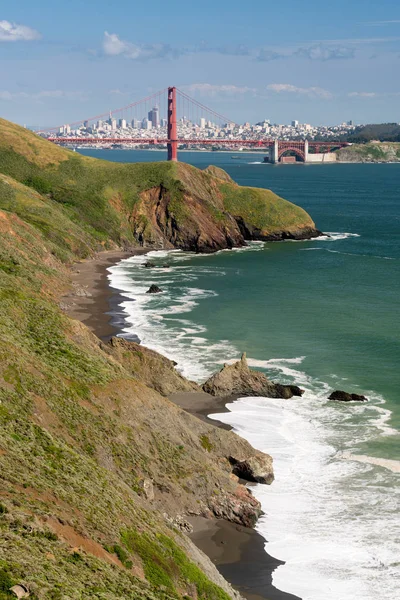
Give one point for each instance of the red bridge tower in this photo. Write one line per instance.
(172, 134)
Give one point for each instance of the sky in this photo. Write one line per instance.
(315, 61)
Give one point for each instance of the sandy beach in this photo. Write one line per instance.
(238, 552)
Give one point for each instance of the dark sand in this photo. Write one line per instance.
(237, 551)
(98, 306)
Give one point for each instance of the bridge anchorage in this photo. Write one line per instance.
(197, 125)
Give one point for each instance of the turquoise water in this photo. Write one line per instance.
(335, 302)
(323, 314)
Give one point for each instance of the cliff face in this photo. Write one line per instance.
(158, 205)
(97, 468)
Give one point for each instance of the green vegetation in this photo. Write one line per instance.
(371, 152)
(205, 443)
(6, 582)
(384, 132)
(82, 424)
(77, 430)
(165, 564)
(103, 204)
(263, 210)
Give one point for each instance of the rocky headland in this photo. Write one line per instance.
(372, 152)
(100, 471)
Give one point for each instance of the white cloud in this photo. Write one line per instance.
(312, 92)
(42, 95)
(208, 89)
(11, 32)
(316, 52)
(114, 46)
(363, 94)
(321, 52)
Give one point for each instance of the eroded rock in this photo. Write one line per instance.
(147, 488)
(257, 468)
(239, 379)
(240, 507)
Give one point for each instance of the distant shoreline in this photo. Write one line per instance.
(239, 153)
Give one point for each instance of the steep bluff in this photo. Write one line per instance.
(156, 205)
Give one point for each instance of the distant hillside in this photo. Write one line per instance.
(160, 204)
(371, 152)
(384, 132)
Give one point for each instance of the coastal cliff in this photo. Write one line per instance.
(153, 205)
(99, 470)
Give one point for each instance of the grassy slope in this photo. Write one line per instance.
(263, 209)
(101, 195)
(74, 441)
(385, 151)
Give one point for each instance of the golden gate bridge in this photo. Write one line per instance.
(191, 111)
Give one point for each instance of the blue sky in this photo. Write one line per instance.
(310, 60)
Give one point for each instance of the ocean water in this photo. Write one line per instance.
(323, 314)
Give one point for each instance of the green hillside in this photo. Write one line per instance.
(83, 431)
(154, 204)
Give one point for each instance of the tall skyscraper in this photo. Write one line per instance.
(154, 117)
(202, 123)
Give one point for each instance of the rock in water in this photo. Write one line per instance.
(341, 396)
(154, 289)
(239, 379)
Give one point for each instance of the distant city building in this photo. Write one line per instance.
(146, 124)
(113, 124)
(154, 117)
(122, 124)
(202, 123)
(295, 124)
(135, 123)
(164, 122)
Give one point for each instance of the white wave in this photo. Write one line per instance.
(324, 516)
(325, 512)
(392, 465)
(362, 255)
(332, 236)
(356, 254)
(256, 162)
(157, 319)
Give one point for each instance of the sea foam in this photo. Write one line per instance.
(329, 505)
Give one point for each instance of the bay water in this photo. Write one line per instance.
(323, 314)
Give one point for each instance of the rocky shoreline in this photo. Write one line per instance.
(92, 301)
